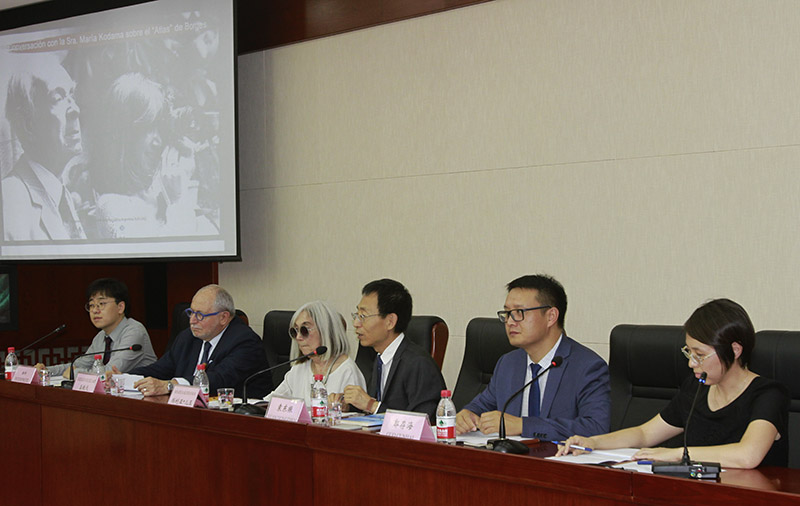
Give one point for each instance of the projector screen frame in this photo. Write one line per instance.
(53, 10)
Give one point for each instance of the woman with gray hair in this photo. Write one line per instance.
(317, 324)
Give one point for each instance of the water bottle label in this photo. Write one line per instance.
(319, 409)
(445, 427)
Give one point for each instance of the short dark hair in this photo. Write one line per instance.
(109, 287)
(393, 297)
(551, 293)
(720, 323)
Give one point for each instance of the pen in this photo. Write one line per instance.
(583, 448)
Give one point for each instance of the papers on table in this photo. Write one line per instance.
(130, 379)
(479, 439)
(364, 421)
(619, 458)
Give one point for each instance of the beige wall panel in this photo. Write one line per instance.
(644, 153)
(521, 83)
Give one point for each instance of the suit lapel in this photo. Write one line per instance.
(554, 377)
(193, 357)
(519, 367)
(398, 357)
(219, 349)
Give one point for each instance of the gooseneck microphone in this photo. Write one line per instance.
(504, 445)
(51, 333)
(70, 383)
(686, 468)
(250, 409)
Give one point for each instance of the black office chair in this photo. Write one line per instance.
(486, 343)
(277, 343)
(646, 368)
(777, 356)
(429, 332)
(179, 322)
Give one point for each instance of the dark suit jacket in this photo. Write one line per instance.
(414, 382)
(576, 397)
(238, 354)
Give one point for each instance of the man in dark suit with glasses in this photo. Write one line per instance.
(215, 337)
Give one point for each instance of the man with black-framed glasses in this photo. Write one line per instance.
(215, 337)
(108, 305)
(574, 394)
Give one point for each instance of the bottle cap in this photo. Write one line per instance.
(98, 356)
(202, 367)
(317, 377)
(446, 393)
(11, 349)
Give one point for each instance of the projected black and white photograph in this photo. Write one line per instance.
(117, 134)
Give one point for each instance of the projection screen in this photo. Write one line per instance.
(118, 135)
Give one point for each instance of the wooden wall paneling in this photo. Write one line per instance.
(262, 25)
(146, 450)
(20, 422)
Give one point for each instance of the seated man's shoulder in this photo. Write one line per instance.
(242, 330)
(418, 353)
(136, 325)
(582, 351)
(583, 358)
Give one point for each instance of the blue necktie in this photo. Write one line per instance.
(378, 374)
(206, 349)
(533, 398)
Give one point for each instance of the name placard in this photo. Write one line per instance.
(91, 383)
(187, 396)
(288, 410)
(407, 425)
(26, 374)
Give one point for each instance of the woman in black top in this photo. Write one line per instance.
(740, 419)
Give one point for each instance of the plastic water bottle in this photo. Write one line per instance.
(319, 401)
(99, 369)
(201, 380)
(11, 362)
(446, 419)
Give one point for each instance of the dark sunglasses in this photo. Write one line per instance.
(303, 332)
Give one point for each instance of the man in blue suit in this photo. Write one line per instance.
(228, 346)
(573, 396)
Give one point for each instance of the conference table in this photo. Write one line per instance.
(64, 447)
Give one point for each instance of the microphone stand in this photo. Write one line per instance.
(28, 347)
(251, 409)
(503, 444)
(51, 333)
(686, 468)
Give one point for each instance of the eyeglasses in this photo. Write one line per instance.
(197, 314)
(517, 314)
(303, 331)
(362, 317)
(694, 358)
(91, 306)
